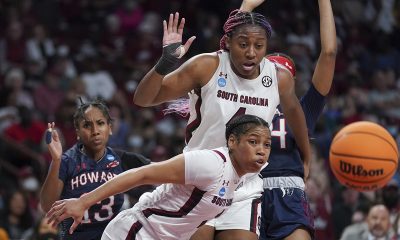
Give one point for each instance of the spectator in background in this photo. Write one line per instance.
(23, 142)
(99, 83)
(48, 95)
(321, 208)
(346, 204)
(376, 226)
(39, 46)
(14, 87)
(42, 230)
(16, 218)
(12, 47)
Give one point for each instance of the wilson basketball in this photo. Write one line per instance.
(363, 156)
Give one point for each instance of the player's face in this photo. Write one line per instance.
(247, 47)
(251, 151)
(94, 131)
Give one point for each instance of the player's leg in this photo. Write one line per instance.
(205, 232)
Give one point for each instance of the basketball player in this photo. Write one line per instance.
(202, 186)
(284, 199)
(234, 81)
(84, 167)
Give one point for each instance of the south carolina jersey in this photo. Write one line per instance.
(175, 211)
(285, 159)
(82, 174)
(225, 96)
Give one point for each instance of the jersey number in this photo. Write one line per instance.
(240, 111)
(280, 132)
(103, 213)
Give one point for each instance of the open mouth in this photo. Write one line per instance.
(260, 162)
(248, 66)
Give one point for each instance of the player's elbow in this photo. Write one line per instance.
(329, 52)
(141, 102)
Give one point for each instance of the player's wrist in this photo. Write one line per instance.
(168, 60)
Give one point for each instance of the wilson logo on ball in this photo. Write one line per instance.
(358, 170)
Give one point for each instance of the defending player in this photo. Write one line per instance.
(284, 199)
(84, 167)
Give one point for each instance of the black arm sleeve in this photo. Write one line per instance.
(132, 160)
(313, 104)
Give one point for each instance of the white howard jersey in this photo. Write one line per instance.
(226, 95)
(174, 211)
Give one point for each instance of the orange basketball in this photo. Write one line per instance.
(363, 156)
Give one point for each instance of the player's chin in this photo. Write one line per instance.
(255, 167)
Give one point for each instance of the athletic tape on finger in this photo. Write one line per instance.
(182, 51)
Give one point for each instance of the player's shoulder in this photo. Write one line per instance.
(206, 59)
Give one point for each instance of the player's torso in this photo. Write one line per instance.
(225, 96)
(85, 175)
(284, 159)
(186, 206)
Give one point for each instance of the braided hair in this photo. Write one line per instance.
(242, 124)
(79, 114)
(237, 18)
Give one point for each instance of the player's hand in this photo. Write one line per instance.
(250, 5)
(173, 34)
(53, 142)
(66, 208)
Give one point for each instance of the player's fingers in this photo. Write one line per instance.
(189, 43)
(74, 225)
(54, 217)
(165, 27)
(175, 22)
(170, 23)
(181, 26)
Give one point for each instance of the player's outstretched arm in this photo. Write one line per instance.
(294, 116)
(325, 67)
(170, 171)
(156, 87)
(250, 5)
(52, 186)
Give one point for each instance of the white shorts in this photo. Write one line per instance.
(252, 188)
(244, 215)
(125, 223)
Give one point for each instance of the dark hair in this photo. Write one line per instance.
(241, 124)
(79, 114)
(237, 18)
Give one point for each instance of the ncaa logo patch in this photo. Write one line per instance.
(266, 81)
(221, 82)
(110, 157)
(222, 192)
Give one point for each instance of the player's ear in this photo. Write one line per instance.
(227, 44)
(231, 142)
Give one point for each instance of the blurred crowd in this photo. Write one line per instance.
(52, 52)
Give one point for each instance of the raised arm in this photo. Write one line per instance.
(250, 5)
(161, 84)
(170, 171)
(52, 186)
(324, 70)
(294, 115)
